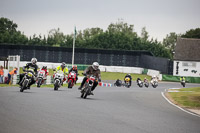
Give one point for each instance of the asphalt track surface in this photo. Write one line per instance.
(110, 110)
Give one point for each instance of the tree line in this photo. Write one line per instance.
(118, 36)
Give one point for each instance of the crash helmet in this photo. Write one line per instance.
(74, 67)
(34, 61)
(63, 65)
(95, 65)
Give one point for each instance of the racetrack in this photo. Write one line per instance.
(110, 110)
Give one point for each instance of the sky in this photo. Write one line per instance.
(160, 17)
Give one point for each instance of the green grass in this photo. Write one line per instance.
(109, 75)
(187, 97)
(117, 75)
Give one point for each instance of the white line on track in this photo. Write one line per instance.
(162, 93)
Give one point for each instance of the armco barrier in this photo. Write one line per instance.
(177, 78)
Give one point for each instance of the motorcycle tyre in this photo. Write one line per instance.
(56, 86)
(23, 87)
(39, 83)
(70, 84)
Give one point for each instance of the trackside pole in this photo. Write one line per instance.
(73, 46)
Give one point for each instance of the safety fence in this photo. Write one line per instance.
(142, 59)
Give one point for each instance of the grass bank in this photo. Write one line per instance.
(186, 97)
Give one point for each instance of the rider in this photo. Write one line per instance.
(63, 68)
(138, 79)
(145, 80)
(182, 78)
(92, 70)
(129, 76)
(74, 68)
(118, 82)
(32, 65)
(44, 68)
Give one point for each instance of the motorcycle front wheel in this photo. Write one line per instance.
(56, 85)
(39, 82)
(70, 84)
(23, 87)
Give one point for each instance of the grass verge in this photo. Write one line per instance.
(186, 97)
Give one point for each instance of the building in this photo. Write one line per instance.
(187, 57)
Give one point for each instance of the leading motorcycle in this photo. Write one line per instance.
(88, 86)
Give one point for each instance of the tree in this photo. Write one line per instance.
(56, 38)
(9, 33)
(170, 41)
(144, 35)
(193, 33)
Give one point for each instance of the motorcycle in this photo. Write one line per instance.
(71, 79)
(88, 86)
(58, 79)
(140, 83)
(154, 83)
(127, 82)
(118, 83)
(27, 79)
(146, 83)
(183, 83)
(41, 76)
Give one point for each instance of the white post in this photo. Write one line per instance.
(73, 46)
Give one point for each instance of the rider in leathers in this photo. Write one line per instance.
(33, 66)
(92, 70)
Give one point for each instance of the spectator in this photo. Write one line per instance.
(1, 74)
(11, 73)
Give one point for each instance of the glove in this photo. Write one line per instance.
(99, 80)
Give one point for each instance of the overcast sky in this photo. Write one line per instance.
(160, 17)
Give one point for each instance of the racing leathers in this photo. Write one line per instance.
(88, 72)
(28, 66)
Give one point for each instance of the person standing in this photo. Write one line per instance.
(1, 74)
(11, 73)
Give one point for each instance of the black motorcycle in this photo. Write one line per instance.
(118, 83)
(27, 79)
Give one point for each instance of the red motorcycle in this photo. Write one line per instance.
(88, 86)
(71, 79)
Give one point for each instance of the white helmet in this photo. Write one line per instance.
(95, 65)
(34, 61)
(154, 76)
